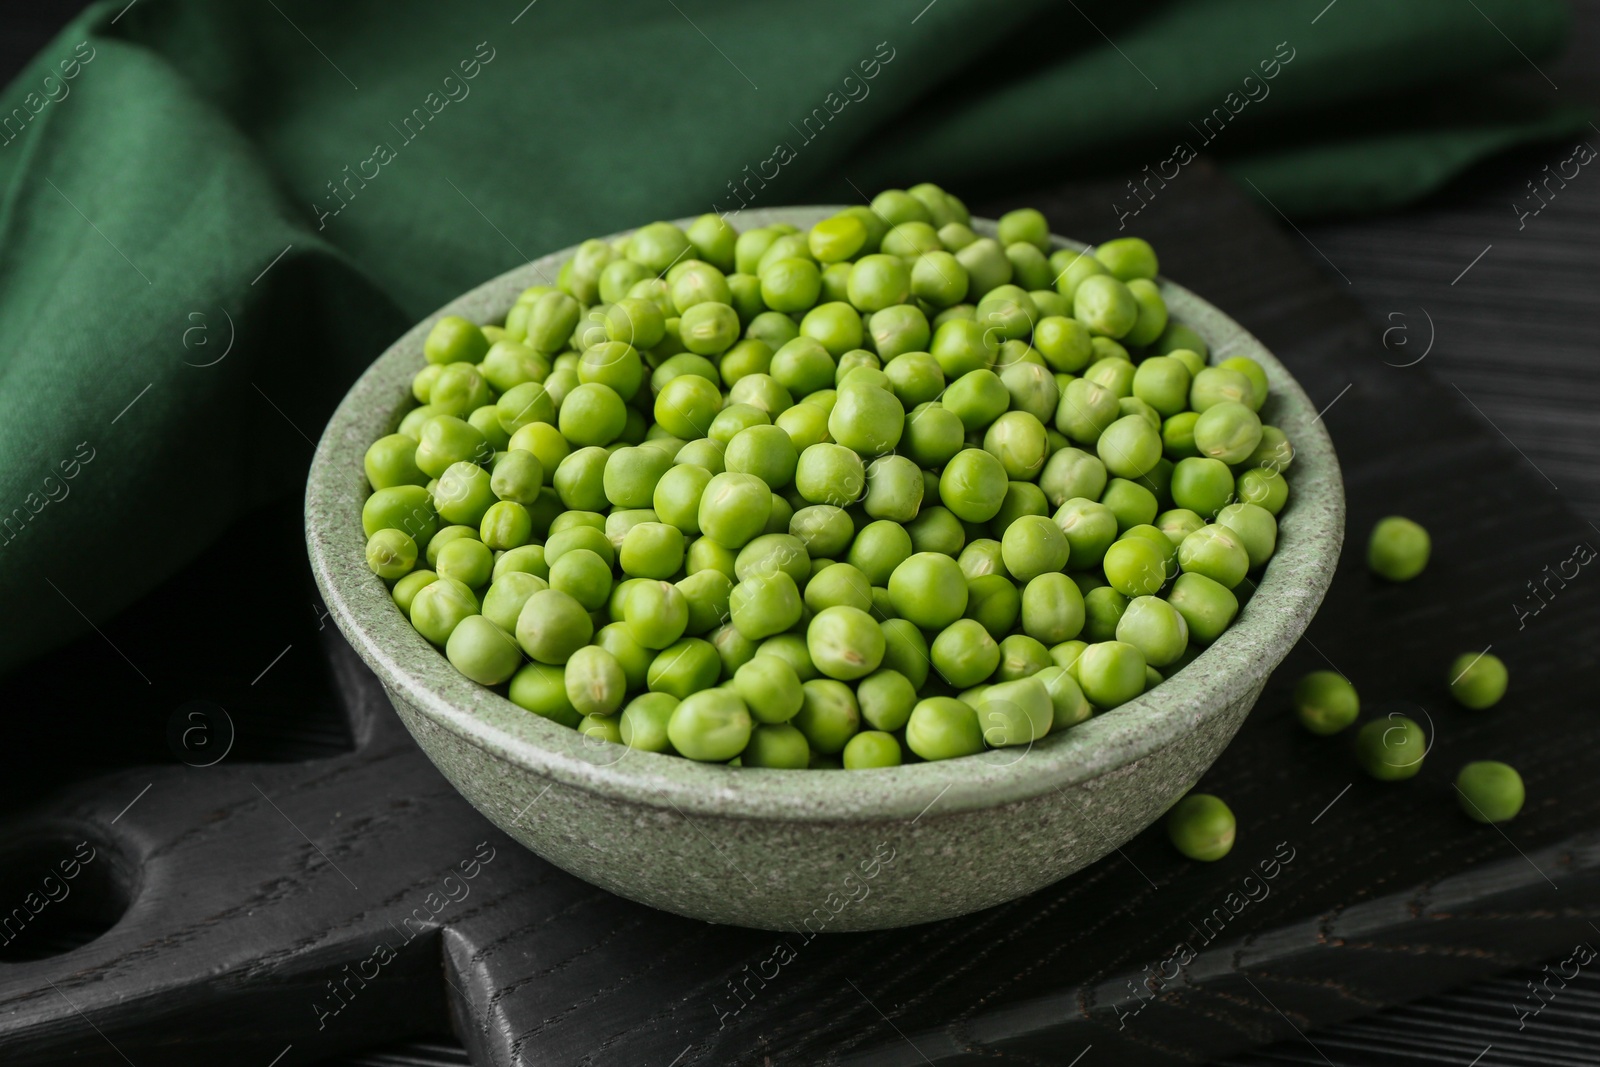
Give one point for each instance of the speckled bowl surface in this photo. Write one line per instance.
(813, 850)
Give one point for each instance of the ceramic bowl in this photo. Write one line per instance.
(815, 850)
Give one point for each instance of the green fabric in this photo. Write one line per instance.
(174, 201)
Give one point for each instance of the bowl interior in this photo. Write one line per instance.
(1287, 594)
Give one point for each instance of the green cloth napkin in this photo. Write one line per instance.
(215, 216)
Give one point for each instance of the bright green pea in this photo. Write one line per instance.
(878, 549)
(929, 589)
(963, 345)
(939, 278)
(407, 588)
(582, 574)
(1111, 673)
(595, 681)
(1178, 523)
(391, 553)
(1130, 447)
(553, 625)
(765, 604)
(871, 749)
(656, 612)
(579, 534)
(1252, 370)
(879, 281)
(1177, 435)
(712, 725)
(964, 653)
(770, 688)
(1066, 697)
(1255, 527)
(685, 667)
(463, 494)
(1219, 385)
(905, 650)
(830, 474)
(392, 461)
(651, 550)
(1392, 748)
(541, 689)
(806, 424)
(828, 715)
(1133, 504)
(1021, 656)
(483, 651)
(1052, 609)
(1216, 552)
(1206, 605)
(894, 489)
(973, 485)
(908, 240)
(866, 419)
(1398, 549)
(1155, 628)
(445, 440)
(658, 246)
(779, 746)
(1007, 312)
(994, 603)
(454, 339)
(1202, 827)
(1103, 608)
(1202, 485)
(845, 642)
(467, 560)
(1105, 305)
(896, 206)
(506, 525)
(707, 595)
(1478, 680)
(1325, 702)
(613, 364)
(986, 265)
(1017, 712)
(837, 239)
(1489, 791)
(1136, 567)
(709, 329)
(824, 529)
(1227, 431)
(438, 608)
(643, 723)
(1085, 410)
(510, 591)
(734, 508)
(1033, 545)
(943, 728)
(933, 435)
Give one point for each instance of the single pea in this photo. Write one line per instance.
(870, 749)
(482, 650)
(1227, 431)
(770, 688)
(933, 435)
(1219, 385)
(986, 265)
(1021, 656)
(1255, 527)
(446, 440)
(1177, 435)
(765, 604)
(1155, 628)
(685, 667)
(707, 594)
(939, 278)
(878, 549)
(407, 588)
(1105, 305)
(1490, 791)
(392, 461)
(828, 715)
(506, 525)
(502, 604)
(1031, 270)
(391, 554)
(1201, 826)
(1111, 673)
(1398, 549)
(643, 723)
(1064, 343)
(677, 494)
(1135, 566)
(734, 508)
(943, 728)
(1178, 523)
(894, 489)
(1130, 447)
(712, 725)
(838, 584)
(528, 559)
(1252, 370)
(463, 494)
(747, 357)
(1205, 604)
(1128, 258)
(440, 606)
(898, 330)
(994, 603)
(1274, 453)
(964, 653)
(1032, 546)
(879, 281)
(575, 535)
(973, 485)
(509, 363)
(595, 682)
(467, 560)
(1391, 748)
(806, 424)
(454, 339)
(1085, 410)
(824, 529)
(1070, 706)
(1216, 552)
(845, 642)
(1103, 608)
(656, 613)
(956, 235)
(837, 239)
(1016, 712)
(651, 550)
(1203, 485)
(929, 589)
(1152, 312)
(1477, 680)
(867, 419)
(1052, 608)
(778, 746)
(960, 346)
(1325, 702)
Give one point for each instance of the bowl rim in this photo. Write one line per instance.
(1311, 530)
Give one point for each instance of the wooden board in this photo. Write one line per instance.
(254, 885)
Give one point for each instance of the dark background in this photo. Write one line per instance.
(1518, 334)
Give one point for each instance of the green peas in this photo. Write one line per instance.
(440, 606)
(828, 716)
(392, 461)
(836, 326)
(453, 339)
(1155, 628)
(943, 728)
(707, 594)
(866, 419)
(1490, 791)
(1227, 431)
(933, 435)
(1007, 312)
(643, 723)
(595, 682)
(765, 604)
(1105, 305)
(1111, 673)
(986, 265)
(391, 554)
(552, 626)
(914, 378)
(1152, 316)
(734, 508)
(994, 603)
(929, 589)
(825, 530)
(1052, 608)
(406, 589)
(1071, 473)
(1103, 607)
(956, 235)
(1201, 826)
(973, 485)
(896, 206)
(1026, 225)
(1392, 748)
(1033, 545)
(612, 364)
(1017, 439)
(1128, 258)
(651, 550)
(844, 642)
(977, 398)
(551, 321)
(770, 689)
(1258, 378)
(518, 476)
(677, 494)
(712, 725)
(693, 282)
(1130, 447)
(939, 278)
(1398, 549)
(656, 612)
(446, 440)
(684, 668)
(1216, 552)
(463, 494)
(1015, 713)
(1202, 485)
(962, 345)
(580, 573)
(1085, 410)
(803, 366)
(830, 474)
(765, 452)
(1206, 605)
(1029, 268)
(1135, 566)
(964, 654)
(909, 240)
(871, 749)
(1219, 385)
(1255, 528)
(1275, 452)
(709, 329)
(1325, 702)
(894, 489)
(899, 329)
(1021, 656)
(779, 746)
(658, 246)
(1477, 680)
(837, 239)
(542, 689)
(1069, 705)
(790, 285)
(467, 560)
(879, 281)
(502, 604)
(1132, 503)
(774, 552)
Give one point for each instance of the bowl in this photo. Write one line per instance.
(809, 851)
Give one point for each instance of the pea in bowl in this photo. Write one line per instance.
(840, 850)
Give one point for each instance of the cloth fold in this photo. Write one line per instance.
(212, 217)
